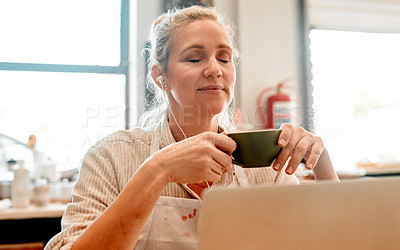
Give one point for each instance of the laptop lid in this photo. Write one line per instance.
(362, 214)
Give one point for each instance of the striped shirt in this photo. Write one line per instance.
(109, 165)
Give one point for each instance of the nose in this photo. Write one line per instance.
(212, 69)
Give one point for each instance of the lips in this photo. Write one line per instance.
(211, 87)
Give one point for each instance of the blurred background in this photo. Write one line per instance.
(72, 72)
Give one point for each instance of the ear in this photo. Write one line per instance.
(156, 73)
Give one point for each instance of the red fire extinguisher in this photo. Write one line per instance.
(279, 107)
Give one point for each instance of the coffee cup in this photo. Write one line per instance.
(257, 148)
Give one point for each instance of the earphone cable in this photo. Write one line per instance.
(176, 122)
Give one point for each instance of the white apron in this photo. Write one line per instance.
(173, 222)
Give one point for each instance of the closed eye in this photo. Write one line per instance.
(223, 61)
(194, 60)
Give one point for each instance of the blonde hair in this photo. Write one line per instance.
(161, 38)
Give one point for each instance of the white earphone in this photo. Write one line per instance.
(160, 79)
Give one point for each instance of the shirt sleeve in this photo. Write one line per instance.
(95, 189)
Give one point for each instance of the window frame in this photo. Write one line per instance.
(122, 68)
(366, 16)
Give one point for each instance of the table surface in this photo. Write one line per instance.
(52, 210)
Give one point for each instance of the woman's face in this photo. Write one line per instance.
(201, 74)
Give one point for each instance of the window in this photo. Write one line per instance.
(63, 73)
(355, 91)
(60, 32)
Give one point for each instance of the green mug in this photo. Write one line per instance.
(257, 148)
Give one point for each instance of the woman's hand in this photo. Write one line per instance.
(200, 158)
(300, 144)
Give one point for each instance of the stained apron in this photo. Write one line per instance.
(172, 223)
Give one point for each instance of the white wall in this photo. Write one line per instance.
(229, 8)
(268, 44)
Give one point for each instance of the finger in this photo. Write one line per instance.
(217, 161)
(209, 163)
(287, 150)
(223, 159)
(212, 171)
(299, 152)
(217, 168)
(316, 151)
(285, 135)
(212, 176)
(224, 143)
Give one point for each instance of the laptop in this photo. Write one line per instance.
(359, 214)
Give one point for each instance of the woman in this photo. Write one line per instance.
(141, 188)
